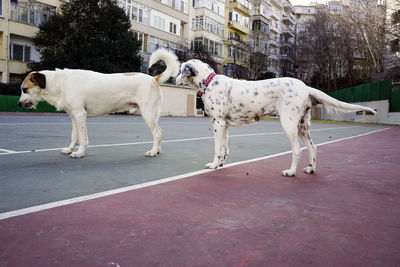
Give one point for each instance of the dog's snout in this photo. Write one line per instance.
(20, 103)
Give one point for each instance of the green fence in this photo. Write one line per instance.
(371, 92)
(395, 101)
(9, 103)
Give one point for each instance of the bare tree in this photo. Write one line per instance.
(393, 31)
(368, 17)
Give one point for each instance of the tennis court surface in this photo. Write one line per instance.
(116, 207)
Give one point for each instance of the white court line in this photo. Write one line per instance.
(96, 123)
(65, 202)
(168, 141)
(7, 151)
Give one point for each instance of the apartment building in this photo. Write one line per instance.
(207, 18)
(158, 24)
(19, 21)
(303, 13)
(237, 23)
(287, 50)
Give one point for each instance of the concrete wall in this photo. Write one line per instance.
(382, 116)
(178, 101)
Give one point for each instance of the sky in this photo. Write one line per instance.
(306, 2)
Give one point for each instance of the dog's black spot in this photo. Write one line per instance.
(255, 93)
(290, 118)
(215, 131)
(310, 165)
(290, 90)
(297, 107)
(241, 104)
(212, 108)
(302, 121)
(247, 91)
(215, 83)
(238, 110)
(287, 84)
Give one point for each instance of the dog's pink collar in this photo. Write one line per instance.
(206, 82)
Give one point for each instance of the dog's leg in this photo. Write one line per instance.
(225, 146)
(220, 144)
(151, 118)
(74, 139)
(291, 132)
(80, 119)
(305, 136)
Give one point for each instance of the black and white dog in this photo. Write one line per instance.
(231, 102)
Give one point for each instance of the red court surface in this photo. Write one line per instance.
(347, 214)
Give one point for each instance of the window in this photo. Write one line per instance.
(158, 22)
(181, 5)
(143, 38)
(29, 12)
(135, 11)
(156, 43)
(172, 27)
(208, 24)
(214, 5)
(212, 47)
(20, 52)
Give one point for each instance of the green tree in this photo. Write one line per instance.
(88, 34)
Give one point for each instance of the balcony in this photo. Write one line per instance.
(275, 15)
(289, 7)
(274, 28)
(276, 2)
(236, 25)
(273, 43)
(288, 43)
(233, 4)
(288, 19)
(288, 32)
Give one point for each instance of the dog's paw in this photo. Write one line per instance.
(77, 155)
(309, 169)
(66, 151)
(151, 153)
(211, 166)
(288, 173)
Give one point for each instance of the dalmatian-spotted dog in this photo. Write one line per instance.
(83, 93)
(231, 102)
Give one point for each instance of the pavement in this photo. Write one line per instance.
(117, 208)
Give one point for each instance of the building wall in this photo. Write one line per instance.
(177, 100)
(18, 29)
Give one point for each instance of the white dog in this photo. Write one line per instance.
(83, 93)
(231, 102)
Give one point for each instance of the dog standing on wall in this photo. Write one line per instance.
(231, 102)
(83, 93)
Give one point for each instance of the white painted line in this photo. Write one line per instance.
(7, 151)
(98, 123)
(169, 141)
(65, 202)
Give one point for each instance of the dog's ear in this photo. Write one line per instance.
(39, 79)
(189, 71)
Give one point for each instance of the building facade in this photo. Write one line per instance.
(19, 21)
(207, 18)
(158, 24)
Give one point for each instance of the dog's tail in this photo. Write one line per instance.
(170, 59)
(333, 104)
